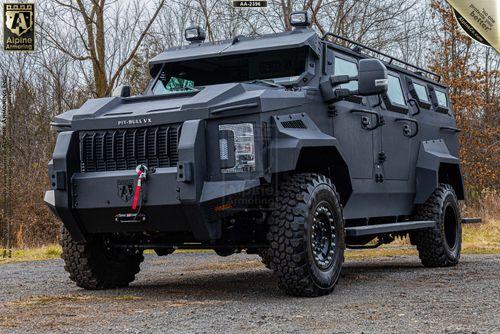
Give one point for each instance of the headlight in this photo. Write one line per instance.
(237, 148)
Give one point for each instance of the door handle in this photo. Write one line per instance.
(406, 130)
(365, 122)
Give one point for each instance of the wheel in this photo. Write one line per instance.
(224, 251)
(91, 266)
(306, 235)
(441, 245)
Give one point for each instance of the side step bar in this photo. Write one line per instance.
(471, 220)
(358, 231)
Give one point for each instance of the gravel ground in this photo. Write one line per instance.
(201, 292)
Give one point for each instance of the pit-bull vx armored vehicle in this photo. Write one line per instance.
(292, 146)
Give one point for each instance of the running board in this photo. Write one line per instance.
(471, 220)
(358, 231)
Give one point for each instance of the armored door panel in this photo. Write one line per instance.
(357, 143)
(397, 133)
(396, 147)
(349, 126)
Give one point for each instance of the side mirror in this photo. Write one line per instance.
(372, 77)
(372, 80)
(121, 91)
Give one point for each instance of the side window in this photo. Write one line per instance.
(346, 67)
(421, 92)
(394, 98)
(441, 99)
(395, 91)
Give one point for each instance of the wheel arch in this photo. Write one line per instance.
(329, 162)
(299, 145)
(451, 174)
(436, 165)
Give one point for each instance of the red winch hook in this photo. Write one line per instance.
(142, 173)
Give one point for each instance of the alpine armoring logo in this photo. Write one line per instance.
(19, 27)
(125, 189)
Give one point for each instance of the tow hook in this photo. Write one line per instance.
(142, 174)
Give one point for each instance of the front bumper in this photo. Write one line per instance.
(90, 202)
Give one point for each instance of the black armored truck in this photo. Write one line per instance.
(292, 146)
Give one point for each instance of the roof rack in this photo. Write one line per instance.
(358, 47)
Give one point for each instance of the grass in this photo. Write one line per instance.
(482, 238)
(32, 254)
(54, 252)
(477, 239)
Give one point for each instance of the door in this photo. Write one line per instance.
(397, 132)
(355, 140)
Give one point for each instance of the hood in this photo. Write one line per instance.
(208, 102)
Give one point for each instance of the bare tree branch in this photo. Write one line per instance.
(136, 47)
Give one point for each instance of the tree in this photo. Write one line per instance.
(474, 97)
(91, 42)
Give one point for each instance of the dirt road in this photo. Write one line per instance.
(204, 293)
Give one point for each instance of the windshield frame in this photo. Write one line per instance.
(311, 59)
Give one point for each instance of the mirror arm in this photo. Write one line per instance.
(341, 93)
(336, 80)
(379, 103)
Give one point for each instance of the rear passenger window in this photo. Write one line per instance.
(441, 99)
(395, 91)
(346, 67)
(421, 92)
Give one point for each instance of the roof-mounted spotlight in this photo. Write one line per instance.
(195, 34)
(300, 19)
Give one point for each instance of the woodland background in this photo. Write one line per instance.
(84, 48)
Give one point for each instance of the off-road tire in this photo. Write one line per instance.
(265, 257)
(290, 235)
(92, 267)
(441, 245)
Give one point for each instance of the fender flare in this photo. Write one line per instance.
(433, 157)
(288, 142)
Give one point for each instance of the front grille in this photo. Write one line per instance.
(108, 150)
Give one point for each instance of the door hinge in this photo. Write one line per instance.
(382, 157)
(379, 175)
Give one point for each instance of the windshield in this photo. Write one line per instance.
(268, 65)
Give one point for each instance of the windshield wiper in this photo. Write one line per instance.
(267, 82)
